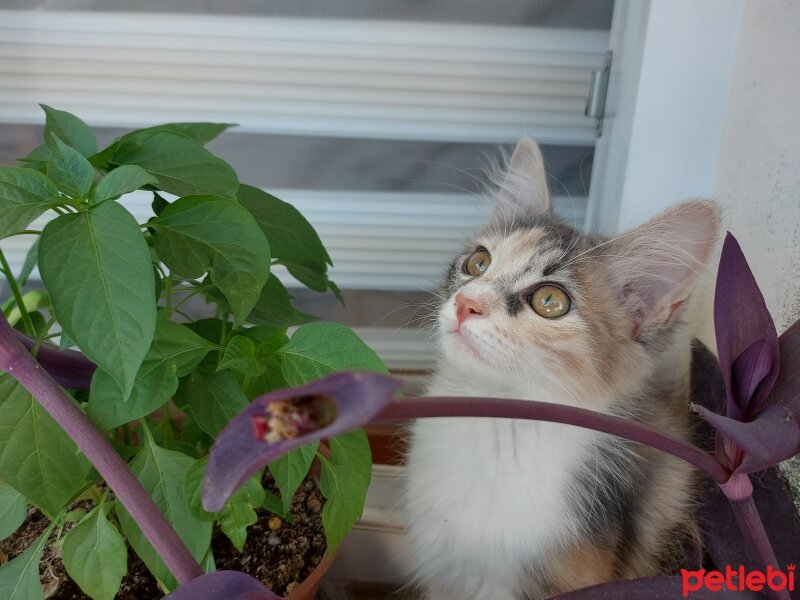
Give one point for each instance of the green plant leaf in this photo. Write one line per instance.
(65, 342)
(267, 339)
(75, 515)
(211, 399)
(238, 513)
(33, 300)
(36, 457)
(102, 159)
(122, 180)
(311, 278)
(210, 329)
(95, 556)
(251, 492)
(192, 434)
(69, 169)
(96, 266)
(345, 478)
(352, 448)
(234, 520)
(241, 356)
(204, 233)
(70, 129)
(345, 492)
(200, 132)
(294, 242)
(176, 350)
(193, 489)
(162, 473)
(274, 307)
(274, 505)
(180, 164)
(109, 408)
(24, 195)
(19, 577)
(291, 469)
(272, 379)
(31, 260)
(318, 349)
(37, 158)
(13, 510)
(158, 204)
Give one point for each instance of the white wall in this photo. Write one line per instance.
(668, 93)
(713, 111)
(757, 179)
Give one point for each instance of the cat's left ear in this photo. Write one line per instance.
(656, 266)
(523, 187)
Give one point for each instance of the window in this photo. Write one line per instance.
(375, 120)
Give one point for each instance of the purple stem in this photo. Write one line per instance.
(411, 408)
(756, 537)
(15, 359)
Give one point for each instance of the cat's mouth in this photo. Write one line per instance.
(464, 341)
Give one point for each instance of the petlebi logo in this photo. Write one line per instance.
(738, 580)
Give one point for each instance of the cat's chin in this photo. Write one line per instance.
(459, 342)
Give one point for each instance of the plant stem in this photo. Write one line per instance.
(223, 341)
(191, 293)
(411, 408)
(42, 337)
(12, 283)
(20, 364)
(756, 538)
(166, 423)
(168, 294)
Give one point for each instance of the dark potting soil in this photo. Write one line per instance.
(279, 553)
(136, 585)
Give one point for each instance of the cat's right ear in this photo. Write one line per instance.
(523, 186)
(655, 266)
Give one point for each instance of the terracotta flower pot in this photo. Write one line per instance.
(308, 588)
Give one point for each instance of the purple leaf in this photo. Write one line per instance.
(652, 588)
(280, 421)
(748, 371)
(787, 389)
(223, 585)
(773, 436)
(69, 368)
(740, 319)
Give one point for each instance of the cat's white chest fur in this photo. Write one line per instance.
(486, 496)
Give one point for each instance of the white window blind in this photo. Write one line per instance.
(344, 78)
(433, 91)
(424, 81)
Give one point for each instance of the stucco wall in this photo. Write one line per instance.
(757, 179)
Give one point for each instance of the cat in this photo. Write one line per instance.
(501, 509)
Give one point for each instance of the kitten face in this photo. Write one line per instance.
(624, 293)
(510, 341)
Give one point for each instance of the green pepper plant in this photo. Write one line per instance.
(109, 325)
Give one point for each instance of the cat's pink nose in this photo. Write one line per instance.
(467, 307)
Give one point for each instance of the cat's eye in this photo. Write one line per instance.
(477, 263)
(550, 301)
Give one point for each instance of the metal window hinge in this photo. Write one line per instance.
(598, 89)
